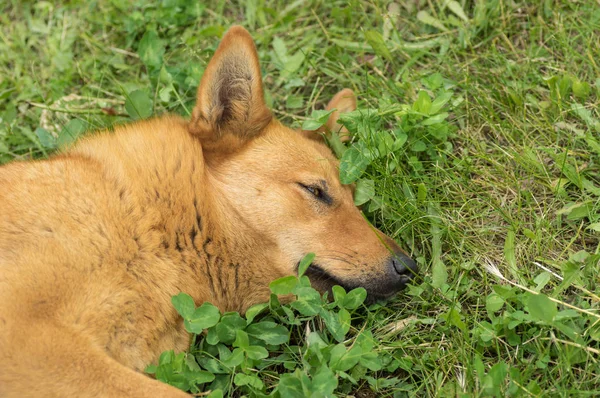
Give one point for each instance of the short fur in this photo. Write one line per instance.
(94, 242)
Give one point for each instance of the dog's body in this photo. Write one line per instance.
(96, 241)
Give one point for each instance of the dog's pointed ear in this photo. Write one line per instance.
(342, 102)
(230, 103)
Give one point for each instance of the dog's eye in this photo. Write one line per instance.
(318, 192)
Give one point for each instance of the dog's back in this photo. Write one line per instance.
(82, 246)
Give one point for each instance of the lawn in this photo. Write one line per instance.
(477, 147)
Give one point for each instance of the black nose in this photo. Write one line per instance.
(404, 266)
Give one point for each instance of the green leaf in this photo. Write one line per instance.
(439, 118)
(70, 132)
(217, 393)
(385, 142)
(151, 50)
(457, 9)
(47, 140)
(541, 308)
(241, 339)
(294, 385)
(200, 377)
(235, 359)
(454, 318)
(214, 366)
(294, 102)
(256, 352)
(486, 331)
(581, 89)
(401, 139)
(292, 65)
(509, 252)
(577, 211)
(361, 121)
(439, 273)
(352, 165)
(339, 294)
(334, 324)
(345, 320)
(493, 302)
(317, 119)
(269, 332)
(342, 360)
(231, 322)
(421, 192)
(308, 301)
(242, 379)
(497, 374)
(204, 317)
(375, 40)
(324, 381)
(365, 191)
(586, 115)
(191, 363)
(354, 298)
(184, 304)
(371, 361)
(253, 311)
(418, 146)
(423, 103)
(250, 14)
(433, 81)
(336, 144)
(212, 337)
(427, 19)
(138, 105)
(564, 86)
(316, 345)
(542, 280)
(283, 285)
(594, 226)
(439, 102)
(280, 49)
(304, 263)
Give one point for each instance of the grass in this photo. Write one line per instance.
(501, 210)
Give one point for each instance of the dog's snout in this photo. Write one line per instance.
(404, 266)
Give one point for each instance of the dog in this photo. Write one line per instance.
(96, 240)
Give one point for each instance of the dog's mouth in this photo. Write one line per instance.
(323, 281)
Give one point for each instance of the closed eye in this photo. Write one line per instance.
(317, 192)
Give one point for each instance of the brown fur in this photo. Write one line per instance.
(95, 241)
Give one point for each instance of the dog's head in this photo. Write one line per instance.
(284, 184)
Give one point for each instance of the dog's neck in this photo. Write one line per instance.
(236, 253)
(161, 179)
(222, 276)
(223, 255)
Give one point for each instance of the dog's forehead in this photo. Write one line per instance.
(283, 150)
(308, 152)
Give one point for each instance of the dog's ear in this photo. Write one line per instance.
(342, 102)
(230, 107)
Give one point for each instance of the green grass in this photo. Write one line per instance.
(512, 185)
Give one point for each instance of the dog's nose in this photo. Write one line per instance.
(404, 266)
